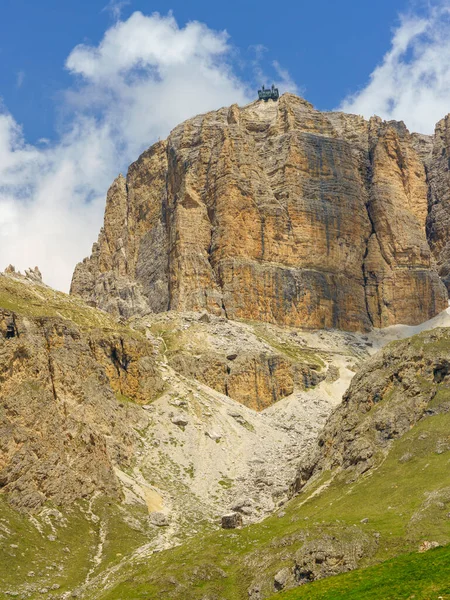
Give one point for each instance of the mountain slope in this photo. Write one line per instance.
(343, 518)
(419, 576)
(117, 439)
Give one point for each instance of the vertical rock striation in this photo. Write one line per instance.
(438, 223)
(273, 212)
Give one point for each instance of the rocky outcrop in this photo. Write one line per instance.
(398, 387)
(253, 379)
(66, 419)
(272, 212)
(327, 555)
(232, 521)
(254, 365)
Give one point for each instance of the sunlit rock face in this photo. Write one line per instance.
(438, 224)
(272, 212)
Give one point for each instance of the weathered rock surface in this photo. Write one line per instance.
(402, 384)
(438, 223)
(255, 380)
(63, 426)
(328, 555)
(272, 212)
(319, 556)
(232, 521)
(255, 370)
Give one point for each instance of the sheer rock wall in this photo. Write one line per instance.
(272, 212)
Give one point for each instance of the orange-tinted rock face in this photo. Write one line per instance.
(400, 280)
(438, 223)
(272, 212)
(255, 380)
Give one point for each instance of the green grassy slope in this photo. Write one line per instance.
(32, 300)
(411, 576)
(58, 547)
(406, 502)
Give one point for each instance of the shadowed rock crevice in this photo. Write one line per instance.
(51, 367)
(438, 220)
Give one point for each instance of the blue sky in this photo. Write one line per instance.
(86, 85)
(329, 48)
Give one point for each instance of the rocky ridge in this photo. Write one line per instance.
(274, 212)
(63, 427)
(122, 432)
(401, 385)
(111, 422)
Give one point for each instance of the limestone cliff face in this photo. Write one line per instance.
(254, 366)
(272, 212)
(438, 224)
(64, 421)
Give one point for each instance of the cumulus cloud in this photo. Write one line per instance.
(412, 83)
(145, 76)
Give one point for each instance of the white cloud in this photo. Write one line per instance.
(20, 79)
(115, 7)
(284, 80)
(412, 83)
(146, 76)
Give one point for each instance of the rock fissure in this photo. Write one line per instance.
(51, 367)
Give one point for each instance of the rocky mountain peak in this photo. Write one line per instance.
(276, 212)
(32, 275)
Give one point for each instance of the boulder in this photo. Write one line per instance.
(281, 578)
(232, 521)
(158, 519)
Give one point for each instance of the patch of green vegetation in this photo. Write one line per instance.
(405, 502)
(246, 425)
(429, 343)
(441, 399)
(126, 529)
(226, 483)
(121, 398)
(32, 300)
(172, 340)
(190, 471)
(35, 558)
(419, 576)
(48, 549)
(291, 350)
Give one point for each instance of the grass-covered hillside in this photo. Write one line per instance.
(25, 297)
(342, 519)
(406, 502)
(409, 576)
(377, 491)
